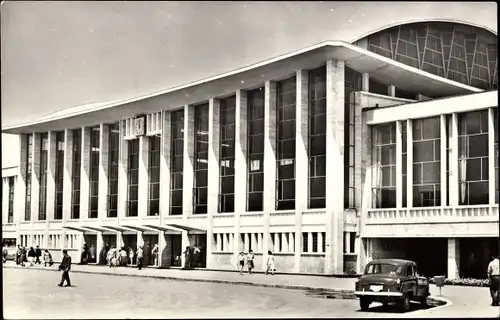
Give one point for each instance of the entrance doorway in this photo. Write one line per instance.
(108, 241)
(176, 251)
(199, 241)
(130, 242)
(91, 241)
(149, 242)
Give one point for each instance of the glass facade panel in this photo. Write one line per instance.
(29, 171)
(200, 159)
(113, 156)
(255, 151)
(44, 148)
(426, 162)
(285, 157)
(176, 161)
(227, 155)
(94, 172)
(76, 173)
(133, 178)
(384, 165)
(473, 162)
(154, 176)
(317, 138)
(59, 176)
(10, 212)
(495, 134)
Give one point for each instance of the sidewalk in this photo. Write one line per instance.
(461, 301)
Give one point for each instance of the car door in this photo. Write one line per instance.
(411, 279)
(422, 284)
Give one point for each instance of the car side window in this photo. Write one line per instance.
(409, 270)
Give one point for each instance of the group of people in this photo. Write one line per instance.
(127, 256)
(32, 256)
(248, 260)
(192, 257)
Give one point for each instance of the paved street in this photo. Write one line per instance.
(34, 294)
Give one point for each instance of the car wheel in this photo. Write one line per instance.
(364, 303)
(405, 303)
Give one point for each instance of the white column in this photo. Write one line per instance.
(103, 170)
(301, 158)
(188, 163)
(453, 258)
(261, 249)
(365, 82)
(444, 137)
(276, 242)
(347, 239)
(51, 174)
(68, 175)
(310, 242)
(35, 178)
(399, 166)
(5, 198)
(240, 163)
(284, 242)
(291, 243)
(454, 169)
(20, 185)
(219, 241)
(213, 167)
(246, 242)
(85, 174)
(99, 248)
(142, 205)
(409, 164)
(334, 258)
(269, 158)
(391, 91)
(162, 244)
(320, 242)
(165, 158)
(491, 153)
(122, 172)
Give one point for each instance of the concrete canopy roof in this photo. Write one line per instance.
(382, 69)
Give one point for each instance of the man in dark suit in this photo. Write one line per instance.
(38, 254)
(65, 267)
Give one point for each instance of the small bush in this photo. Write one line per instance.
(464, 282)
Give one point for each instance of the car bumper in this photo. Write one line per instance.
(378, 294)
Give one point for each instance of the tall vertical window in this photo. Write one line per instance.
(94, 172)
(200, 159)
(29, 170)
(255, 150)
(404, 162)
(352, 84)
(176, 161)
(495, 134)
(285, 159)
(384, 165)
(42, 205)
(113, 154)
(10, 213)
(76, 168)
(154, 176)
(59, 176)
(133, 178)
(227, 135)
(427, 162)
(317, 138)
(473, 157)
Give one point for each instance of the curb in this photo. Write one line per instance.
(337, 293)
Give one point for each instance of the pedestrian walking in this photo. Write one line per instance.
(18, 254)
(84, 257)
(38, 254)
(111, 257)
(123, 257)
(65, 267)
(31, 256)
(5, 252)
(187, 257)
(47, 258)
(270, 265)
(131, 255)
(196, 255)
(241, 261)
(140, 257)
(23, 255)
(494, 276)
(250, 258)
(92, 254)
(155, 253)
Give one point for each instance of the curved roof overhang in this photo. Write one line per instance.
(382, 69)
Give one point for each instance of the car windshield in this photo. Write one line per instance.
(383, 268)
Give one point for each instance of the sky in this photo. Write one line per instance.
(55, 55)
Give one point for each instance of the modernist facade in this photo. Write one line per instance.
(329, 157)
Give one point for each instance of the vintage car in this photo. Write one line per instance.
(391, 280)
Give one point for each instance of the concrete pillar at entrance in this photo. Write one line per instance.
(185, 243)
(188, 163)
(409, 164)
(85, 174)
(140, 239)
(444, 169)
(122, 172)
(51, 175)
(165, 158)
(240, 165)
(35, 178)
(399, 166)
(454, 156)
(142, 203)
(269, 158)
(68, 174)
(163, 256)
(365, 82)
(119, 240)
(334, 258)
(103, 171)
(391, 91)
(491, 159)
(453, 258)
(301, 160)
(99, 248)
(347, 239)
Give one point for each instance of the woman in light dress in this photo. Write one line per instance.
(270, 265)
(241, 261)
(250, 263)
